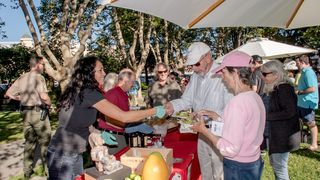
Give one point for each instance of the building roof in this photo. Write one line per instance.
(26, 35)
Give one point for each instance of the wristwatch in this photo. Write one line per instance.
(299, 93)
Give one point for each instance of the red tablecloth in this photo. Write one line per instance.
(185, 147)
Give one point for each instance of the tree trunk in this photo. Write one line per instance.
(121, 41)
(166, 43)
(157, 47)
(179, 57)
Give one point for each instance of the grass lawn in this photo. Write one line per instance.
(11, 126)
(303, 164)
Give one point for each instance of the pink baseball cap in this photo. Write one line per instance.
(234, 59)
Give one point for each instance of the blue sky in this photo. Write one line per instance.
(16, 25)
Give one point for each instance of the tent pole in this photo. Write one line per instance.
(294, 13)
(205, 13)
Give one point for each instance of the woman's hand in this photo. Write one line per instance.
(199, 127)
(211, 114)
(160, 111)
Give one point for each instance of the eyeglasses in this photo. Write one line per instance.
(162, 72)
(266, 73)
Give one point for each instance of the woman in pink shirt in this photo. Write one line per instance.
(243, 121)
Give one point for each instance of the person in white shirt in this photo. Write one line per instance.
(203, 92)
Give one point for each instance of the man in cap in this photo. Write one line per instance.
(203, 92)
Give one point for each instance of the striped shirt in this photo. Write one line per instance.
(204, 92)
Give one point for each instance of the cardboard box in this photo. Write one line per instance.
(94, 174)
(135, 157)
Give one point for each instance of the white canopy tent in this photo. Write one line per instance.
(229, 13)
(268, 49)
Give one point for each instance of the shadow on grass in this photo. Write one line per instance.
(11, 125)
(38, 171)
(304, 151)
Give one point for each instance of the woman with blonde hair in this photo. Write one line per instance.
(282, 130)
(110, 81)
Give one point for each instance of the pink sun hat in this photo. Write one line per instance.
(234, 59)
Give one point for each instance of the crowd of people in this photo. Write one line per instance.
(261, 106)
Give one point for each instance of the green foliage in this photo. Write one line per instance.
(2, 24)
(110, 64)
(14, 61)
(144, 86)
(312, 37)
(2, 32)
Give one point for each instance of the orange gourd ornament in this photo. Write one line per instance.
(155, 168)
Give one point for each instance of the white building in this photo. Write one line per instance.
(25, 40)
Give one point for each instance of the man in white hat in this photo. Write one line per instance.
(203, 92)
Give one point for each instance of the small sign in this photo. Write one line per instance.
(216, 128)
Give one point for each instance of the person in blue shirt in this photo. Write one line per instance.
(308, 98)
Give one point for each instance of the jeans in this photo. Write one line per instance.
(63, 166)
(279, 163)
(234, 170)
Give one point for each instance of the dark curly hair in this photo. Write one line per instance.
(82, 78)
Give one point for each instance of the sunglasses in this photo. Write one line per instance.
(265, 73)
(197, 64)
(162, 72)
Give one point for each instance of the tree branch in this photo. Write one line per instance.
(74, 23)
(85, 34)
(157, 46)
(141, 33)
(132, 50)
(154, 53)
(64, 18)
(31, 27)
(166, 43)
(120, 38)
(42, 37)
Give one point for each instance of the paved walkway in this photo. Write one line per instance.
(11, 160)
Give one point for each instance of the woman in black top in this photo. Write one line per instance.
(282, 127)
(78, 107)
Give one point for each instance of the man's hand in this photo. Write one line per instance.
(169, 108)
